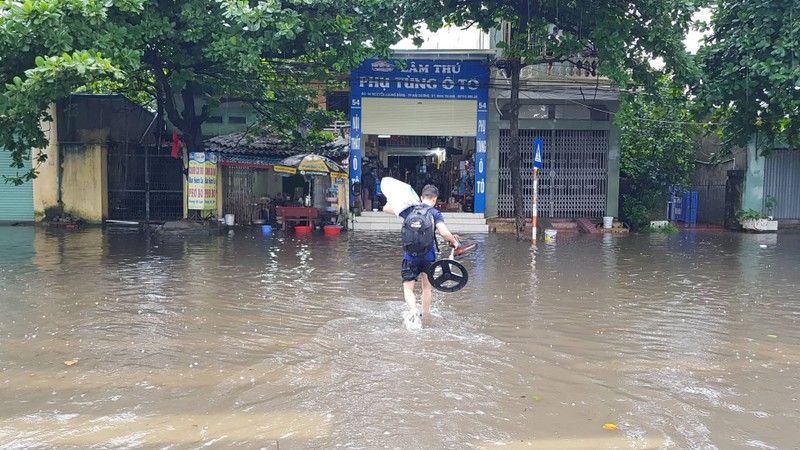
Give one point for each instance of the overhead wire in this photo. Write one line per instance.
(565, 89)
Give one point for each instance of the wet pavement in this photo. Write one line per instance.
(246, 341)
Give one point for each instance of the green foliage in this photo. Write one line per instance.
(750, 214)
(24, 102)
(770, 202)
(627, 35)
(669, 228)
(184, 57)
(643, 205)
(658, 146)
(751, 72)
(658, 138)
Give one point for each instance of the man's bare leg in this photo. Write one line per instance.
(408, 295)
(427, 295)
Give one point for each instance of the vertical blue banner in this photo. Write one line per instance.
(480, 151)
(355, 139)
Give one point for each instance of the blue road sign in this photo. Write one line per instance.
(538, 145)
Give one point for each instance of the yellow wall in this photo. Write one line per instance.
(344, 193)
(220, 193)
(45, 186)
(84, 185)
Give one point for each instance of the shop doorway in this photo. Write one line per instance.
(446, 162)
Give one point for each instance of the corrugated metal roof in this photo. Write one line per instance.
(249, 143)
(267, 147)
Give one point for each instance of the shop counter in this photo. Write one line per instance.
(298, 215)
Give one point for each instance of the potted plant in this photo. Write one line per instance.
(756, 221)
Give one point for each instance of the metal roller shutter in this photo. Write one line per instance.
(782, 181)
(573, 181)
(419, 117)
(16, 202)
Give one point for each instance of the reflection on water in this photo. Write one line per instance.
(687, 341)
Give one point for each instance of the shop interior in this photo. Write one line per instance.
(444, 161)
(253, 195)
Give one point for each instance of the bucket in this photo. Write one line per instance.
(333, 230)
(549, 235)
(302, 229)
(229, 220)
(266, 230)
(608, 222)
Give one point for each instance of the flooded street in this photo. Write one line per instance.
(246, 341)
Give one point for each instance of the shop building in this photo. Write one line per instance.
(571, 108)
(252, 189)
(422, 118)
(580, 173)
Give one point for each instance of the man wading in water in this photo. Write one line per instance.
(419, 242)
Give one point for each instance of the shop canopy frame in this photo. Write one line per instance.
(310, 165)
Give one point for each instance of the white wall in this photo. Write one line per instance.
(450, 38)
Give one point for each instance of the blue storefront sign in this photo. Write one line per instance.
(422, 79)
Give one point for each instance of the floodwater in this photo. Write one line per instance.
(245, 341)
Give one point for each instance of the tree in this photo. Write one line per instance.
(183, 56)
(627, 36)
(658, 145)
(751, 72)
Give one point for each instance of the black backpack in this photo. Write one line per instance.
(418, 232)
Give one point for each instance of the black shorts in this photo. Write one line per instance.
(412, 269)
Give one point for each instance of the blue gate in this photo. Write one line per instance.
(682, 206)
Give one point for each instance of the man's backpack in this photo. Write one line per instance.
(418, 232)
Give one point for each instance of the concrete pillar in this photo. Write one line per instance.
(733, 198)
(753, 193)
(45, 186)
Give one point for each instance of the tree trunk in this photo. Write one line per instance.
(192, 129)
(514, 157)
(193, 136)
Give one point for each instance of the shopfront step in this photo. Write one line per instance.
(447, 215)
(456, 222)
(454, 228)
(396, 220)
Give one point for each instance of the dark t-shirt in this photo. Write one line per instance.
(437, 218)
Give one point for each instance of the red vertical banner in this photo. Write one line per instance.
(176, 144)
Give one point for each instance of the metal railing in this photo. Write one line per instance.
(710, 203)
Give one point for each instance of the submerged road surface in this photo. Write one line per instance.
(113, 339)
